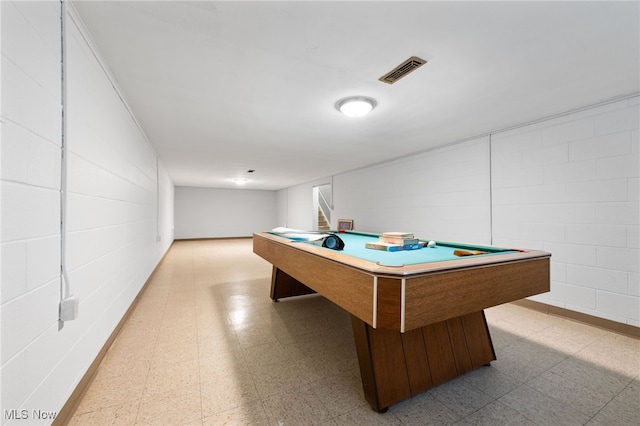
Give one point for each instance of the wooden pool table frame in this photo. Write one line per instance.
(414, 326)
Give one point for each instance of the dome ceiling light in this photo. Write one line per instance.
(355, 106)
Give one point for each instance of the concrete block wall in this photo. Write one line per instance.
(119, 210)
(569, 186)
(442, 194)
(31, 140)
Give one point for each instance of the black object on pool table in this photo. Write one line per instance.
(333, 242)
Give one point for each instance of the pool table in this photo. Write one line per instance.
(417, 315)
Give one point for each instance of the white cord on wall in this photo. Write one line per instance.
(68, 308)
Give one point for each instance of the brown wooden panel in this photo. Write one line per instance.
(448, 294)
(389, 366)
(396, 365)
(283, 285)
(478, 339)
(415, 355)
(459, 345)
(365, 360)
(389, 292)
(441, 360)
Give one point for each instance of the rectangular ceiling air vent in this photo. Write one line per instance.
(402, 70)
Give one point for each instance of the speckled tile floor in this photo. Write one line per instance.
(206, 346)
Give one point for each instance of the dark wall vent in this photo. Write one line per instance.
(402, 70)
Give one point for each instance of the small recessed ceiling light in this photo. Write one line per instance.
(355, 106)
(240, 181)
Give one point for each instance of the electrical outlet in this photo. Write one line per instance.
(69, 308)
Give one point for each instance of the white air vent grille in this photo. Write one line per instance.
(402, 70)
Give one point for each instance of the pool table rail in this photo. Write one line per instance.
(404, 298)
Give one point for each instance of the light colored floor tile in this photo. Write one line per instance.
(165, 377)
(138, 334)
(624, 360)
(461, 398)
(111, 391)
(122, 414)
(624, 409)
(568, 337)
(497, 313)
(524, 359)
(365, 416)
(266, 354)
(177, 406)
(248, 414)
(542, 409)
(215, 343)
(244, 318)
(175, 351)
(255, 335)
(276, 378)
(328, 361)
(491, 381)
(502, 339)
(526, 322)
(592, 376)
(227, 390)
(283, 330)
(297, 405)
(134, 370)
(339, 393)
(583, 399)
(423, 409)
(206, 345)
(496, 414)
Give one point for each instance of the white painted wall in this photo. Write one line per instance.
(441, 194)
(296, 206)
(219, 213)
(282, 206)
(115, 187)
(567, 185)
(570, 186)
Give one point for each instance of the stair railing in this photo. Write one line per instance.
(324, 206)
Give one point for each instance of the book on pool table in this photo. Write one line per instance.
(398, 240)
(379, 245)
(398, 234)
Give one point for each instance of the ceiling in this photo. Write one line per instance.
(224, 87)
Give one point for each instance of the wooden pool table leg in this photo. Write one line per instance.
(284, 285)
(395, 366)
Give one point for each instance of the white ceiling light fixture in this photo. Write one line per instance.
(240, 181)
(355, 106)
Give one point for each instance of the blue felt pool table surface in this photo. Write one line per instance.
(354, 245)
